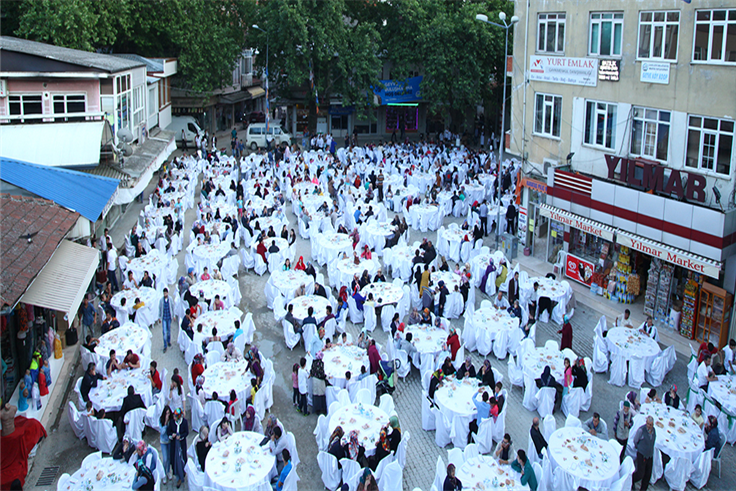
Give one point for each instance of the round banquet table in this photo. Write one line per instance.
(474, 192)
(366, 420)
(128, 336)
(493, 321)
(427, 339)
(724, 391)
(332, 244)
(454, 238)
(257, 204)
(344, 358)
(548, 288)
(146, 315)
(226, 209)
(314, 201)
(301, 304)
(591, 462)
(211, 288)
(265, 222)
(154, 262)
(535, 360)
(207, 255)
(400, 260)
(223, 320)
(478, 266)
(109, 394)
(677, 434)
(376, 233)
(455, 397)
(451, 280)
(282, 244)
(420, 216)
(388, 292)
(630, 343)
(483, 473)
(158, 214)
(113, 476)
(225, 376)
(346, 268)
(239, 463)
(288, 281)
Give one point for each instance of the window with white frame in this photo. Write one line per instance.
(650, 133)
(25, 104)
(715, 36)
(658, 34)
(548, 115)
(606, 32)
(551, 33)
(138, 105)
(69, 103)
(710, 144)
(600, 124)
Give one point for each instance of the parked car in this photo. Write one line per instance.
(255, 136)
(189, 125)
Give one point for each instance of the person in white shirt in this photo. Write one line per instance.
(303, 376)
(112, 266)
(624, 320)
(649, 329)
(130, 283)
(500, 301)
(705, 373)
(729, 352)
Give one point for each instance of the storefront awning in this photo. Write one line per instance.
(53, 144)
(664, 252)
(62, 283)
(256, 92)
(585, 224)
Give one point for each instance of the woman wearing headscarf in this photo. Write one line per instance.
(566, 332)
(434, 382)
(272, 423)
(489, 269)
(633, 398)
(366, 254)
(178, 432)
(310, 270)
(250, 422)
(319, 400)
(548, 380)
(580, 374)
(395, 436)
(254, 363)
(451, 483)
(426, 317)
(485, 374)
(447, 367)
(300, 266)
(502, 273)
(453, 342)
(355, 450)
(367, 482)
(383, 448)
(203, 445)
(334, 446)
(466, 368)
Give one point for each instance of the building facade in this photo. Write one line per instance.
(624, 114)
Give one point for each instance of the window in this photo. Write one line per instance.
(339, 122)
(25, 104)
(710, 144)
(547, 115)
(658, 35)
(600, 124)
(67, 103)
(138, 105)
(606, 30)
(650, 133)
(551, 33)
(715, 36)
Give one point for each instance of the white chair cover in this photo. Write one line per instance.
(677, 472)
(618, 370)
(331, 475)
(442, 432)
(516, 373)
(392, 478)
(75, 420)
(106, 436)
(351, 472)
(500, 344)
(197, 419)
(636, 372)
(213, 411)
(573, 422)
(195, 477)
(387, 314)
(600, 355)
(545, 401)
(661, 364)
(625, 473)
(701, 469)
(549, 425)
(484, 437)
(401, 450)
(290, 337)
(370, 319)
(134, 423)
(572, 402)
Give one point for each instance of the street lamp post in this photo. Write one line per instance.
(268, 104)
(505, 27)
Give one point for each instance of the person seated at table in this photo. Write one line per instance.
(130, 402)
(364, 280)
(426, 318)
(232, 353)
(320, 290)
(130, 283)
(300, 266)
(383, 449)
(197, 366)
(309, 319)
(597, 427)
(451, 482)
(366, 253)
(705, 373)
(218, 304)
(277, 445)
(329, 315)
(215, 398)
(523, 466)
(633, 397)
(139, 251)
(205, 275)
(671, 398)
(147, 281)
(292, 237)
(447, 367)
(712, 435)
(131, 360)
(729, 358)
(503, 271)
(649, 329)
(145, 467)
(112, 364)
(334, 445)
(515, 310)
(355, 451)
(262, 250)
(453, 342)
(360, 299)
(504, 450)
(548, 380)
(466, 369)
(250, 421)
(623, 320)
(213, 338)
(697, 416)
(379, 277)
(500, 301)
(91, 343)
(224, 430)
(414, 317)
(203, 446)
(155, 378)
(216, 274)
(125, 450)
(273, 248)
(652, 397)
(287, 265)
(706, 349)
(407, 345)
(89, 380)
(486, 375)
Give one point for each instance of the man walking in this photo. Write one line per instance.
(164, 313)
(112, 267)
(89, 315)
(644, 439)
(483, 212)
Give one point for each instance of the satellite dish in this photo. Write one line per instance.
(125, 135)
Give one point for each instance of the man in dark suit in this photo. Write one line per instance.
(130, 402)
(514, 289)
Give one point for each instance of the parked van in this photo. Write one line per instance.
(256, 135)
(189, 125)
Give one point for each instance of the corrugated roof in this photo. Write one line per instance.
(152, 64)
(84, 193)
(22, 260)
(99, 61)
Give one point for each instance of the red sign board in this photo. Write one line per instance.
(579, 270)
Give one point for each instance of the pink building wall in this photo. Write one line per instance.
(91, 88)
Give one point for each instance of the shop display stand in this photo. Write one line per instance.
(623, 275)
(689, 300)
(714, 315)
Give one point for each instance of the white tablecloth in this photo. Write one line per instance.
(101, 475)
(388, 292)
(630, 343)
(344, 358)
(450, 278)
(376, 233)
(455, 397)
(207, 255)
(301, 304)
(454, 238)
(366, 420)
(157, 214)
(223, 320)
(210, 288)
(400, 260)
(127, 336)
(154, 262)
(272, 221)
(238, 463)
(427, 339)
(109, 394)
(346, 268)
(225, 376)
(535, 360)
(548, 288)
(591, 462)
(474, 192)
(148, 314)
(677, 434)
(483, 473)
(288, 281)
(421, 215)
(493, 321)
(724, 391)
(314, 201)
(331, 245)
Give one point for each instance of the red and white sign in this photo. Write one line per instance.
(571, 220)
(564, 70)
(670, 255)
(579, 270)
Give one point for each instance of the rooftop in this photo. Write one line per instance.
(21, 260)
(153, 65)
(107, 63)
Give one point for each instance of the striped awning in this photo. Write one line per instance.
(576, 221)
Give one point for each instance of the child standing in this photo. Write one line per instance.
(295, 383)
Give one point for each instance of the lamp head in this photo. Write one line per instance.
(502, 16)
(481, 17)
(514, 19)
(255, 26)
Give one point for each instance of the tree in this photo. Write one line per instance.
(317, 50)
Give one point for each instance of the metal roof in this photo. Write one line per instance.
(153, 65)
(99, 61)
(84, 193)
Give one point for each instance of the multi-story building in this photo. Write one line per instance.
(623, 113)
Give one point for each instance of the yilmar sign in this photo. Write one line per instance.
(572, 221)
(671, 256)
(653, 178)
(564, 70)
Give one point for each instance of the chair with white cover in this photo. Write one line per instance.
(291, 446)
(322, 432)
(600, 355)
(516, 373)
(378, 473)
(386, 403)
(213, 356)
(333, 408)
(153, 413)
(198, 419)
(214, 411)
(499, 425)
(455, 456)
(343, 397)
(370, 318)
(75, 420)
(562, 480)
(363, 397)
(661, 364)
(636, 372)
(442, 431)
(549, 426)
(291, 480)
(573, 422)
(428, 423)
(531, 450)
(290, 337)
(440, 473)
(331, 475)
(387, 314)
(625, 476)
(530, 394)
(484, 437)
(405, 367)
(134, 423)
(260, 265)
(541, 485)
(618, 370)
(572, 402)
(701, 469)
(676, 473)
(195, 477)
(356, 315)
(500, 344)
(717, 458)
(63, 481)
(400, 456)
(105, 434)
(331, 395)
(392, 478)
(588, 395)
(351, 472)
(545, 401)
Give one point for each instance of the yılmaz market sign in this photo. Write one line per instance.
(572, 221)
(653, 178)
(671, 256)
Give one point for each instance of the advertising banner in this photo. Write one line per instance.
(522, 226)
(564, 70)
(680, 258)
(397, 91)
(579, 269)
(655, 73)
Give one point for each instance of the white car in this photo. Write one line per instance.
(256, 135)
